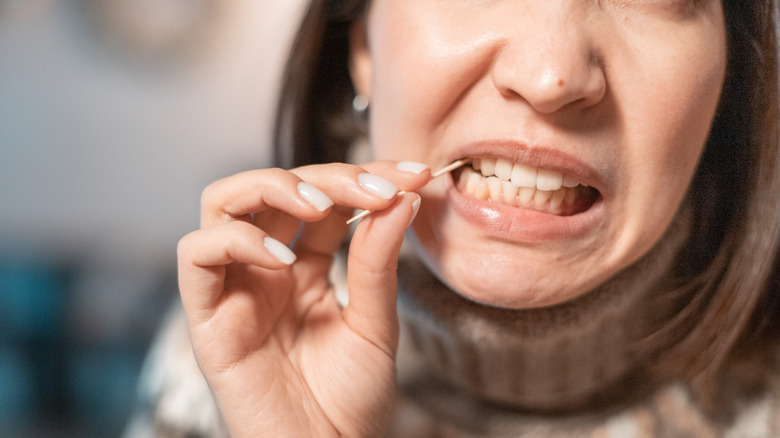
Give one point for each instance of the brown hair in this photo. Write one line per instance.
(731, 257)
(315, 121)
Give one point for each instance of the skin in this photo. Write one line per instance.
(625, 89)
(282, 358)
(620, 93)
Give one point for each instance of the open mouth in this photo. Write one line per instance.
(521, 186)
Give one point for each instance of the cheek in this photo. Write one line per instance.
(671, 91)
(681, 118)
(419, 74)
(670, 102)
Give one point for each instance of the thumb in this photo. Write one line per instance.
(371, 272)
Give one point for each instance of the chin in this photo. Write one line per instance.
(495, 281)
(513, 296)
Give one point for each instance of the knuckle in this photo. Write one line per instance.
(370, 266)
(234, 232)
(184, 245)
(329, 169)
(209, 195)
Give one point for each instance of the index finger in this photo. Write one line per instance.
(239, 196)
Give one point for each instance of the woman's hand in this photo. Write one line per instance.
(280, 355)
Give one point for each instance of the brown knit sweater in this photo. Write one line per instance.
(587, 368)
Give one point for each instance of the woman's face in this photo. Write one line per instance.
(584, 119)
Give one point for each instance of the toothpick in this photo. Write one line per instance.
(447, 169)
(452, 166)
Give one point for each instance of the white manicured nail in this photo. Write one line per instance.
(279, 250)
(319, 200)
(415, 208)
(411, 167)
(378, 186)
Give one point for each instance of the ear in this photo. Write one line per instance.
(360, 58)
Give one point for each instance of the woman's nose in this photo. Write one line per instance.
(551, 63)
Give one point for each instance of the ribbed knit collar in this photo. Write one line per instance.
(596, 348)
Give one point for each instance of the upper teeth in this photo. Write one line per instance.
(523, 176)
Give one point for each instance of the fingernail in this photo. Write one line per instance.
(415, 209)
(378, 186)
(280, 251)
(411, 166)
(319, 200)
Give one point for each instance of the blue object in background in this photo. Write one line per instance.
(32, 340)
(17, 389)
(31, 298)
(102, 384)
(55, 382)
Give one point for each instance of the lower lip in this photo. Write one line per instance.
(524, 225)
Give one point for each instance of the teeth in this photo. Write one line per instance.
(482, 191)
(488, 166)
(556, 201)
(510, 191)
(569, 181)
(503, 169)
(541, 198)
(497, 189)
(494, 187)
(549, 180)
(569, 196)
(472, 182)
(526, 195)
(521, 175)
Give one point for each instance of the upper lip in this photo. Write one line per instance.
(534, 156)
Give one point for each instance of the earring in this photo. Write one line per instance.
(360, 104)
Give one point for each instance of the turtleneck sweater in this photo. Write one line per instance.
(554, 358)
(585, 368)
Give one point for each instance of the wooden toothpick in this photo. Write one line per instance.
(447, 169)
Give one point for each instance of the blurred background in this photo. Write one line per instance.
(114, 115)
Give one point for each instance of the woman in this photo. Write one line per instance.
(603, 265)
